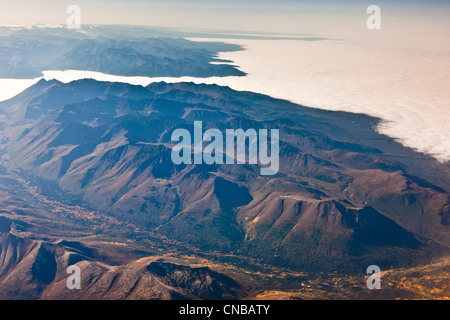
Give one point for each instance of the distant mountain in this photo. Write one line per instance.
(345, 196)
(26, 53)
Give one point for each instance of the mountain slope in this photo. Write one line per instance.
(26, 53)
(344, 194)
(37, 270)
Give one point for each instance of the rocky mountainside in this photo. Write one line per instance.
(344, 197)
(35, 269)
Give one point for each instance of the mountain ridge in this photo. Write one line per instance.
(111, 147)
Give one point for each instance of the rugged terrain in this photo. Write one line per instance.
(88, 163)
(25, 53)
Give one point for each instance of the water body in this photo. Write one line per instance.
(405, 84)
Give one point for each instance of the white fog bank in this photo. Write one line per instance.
(405, 84)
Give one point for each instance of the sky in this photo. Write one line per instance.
(250, 15)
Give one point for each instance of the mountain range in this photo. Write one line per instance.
(87, 177)
(26, 53)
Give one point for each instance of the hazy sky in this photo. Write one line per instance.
(251, 15)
